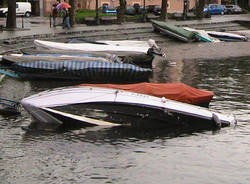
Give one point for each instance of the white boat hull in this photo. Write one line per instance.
(121, 46)
(223, 36)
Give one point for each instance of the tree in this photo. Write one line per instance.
(97, 13)
(121, 11)
(164, 5)
(72, 12)
(11, 17)
(200, 8)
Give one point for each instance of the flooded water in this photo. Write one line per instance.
(124, 155)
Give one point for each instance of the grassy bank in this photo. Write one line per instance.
(82, 13)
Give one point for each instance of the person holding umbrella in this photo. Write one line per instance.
(64, 6)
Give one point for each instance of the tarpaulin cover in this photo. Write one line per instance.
(174, 91)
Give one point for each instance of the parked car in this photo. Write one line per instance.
(108, 9)
(157, 10)
(22, 8)
(214, 9)
(130, 10)
(232, 9)
(150, 8)
(133, 10)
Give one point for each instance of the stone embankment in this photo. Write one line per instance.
(176, 50)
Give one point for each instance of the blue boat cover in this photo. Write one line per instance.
(80, 69)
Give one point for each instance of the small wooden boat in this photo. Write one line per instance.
(223, 36)
(74, 69)
(93, 106)
(174, 31)
(173, 91)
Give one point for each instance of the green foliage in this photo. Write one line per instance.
(171, 15)
(245, 11)
(81, 13)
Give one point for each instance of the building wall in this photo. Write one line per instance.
(174, 5)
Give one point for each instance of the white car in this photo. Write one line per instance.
(22, 8)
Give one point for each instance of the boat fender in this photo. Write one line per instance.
(152, 43)
(163, 100)
(216, 120)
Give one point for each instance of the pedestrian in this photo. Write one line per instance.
(54, 14)
(66, 18)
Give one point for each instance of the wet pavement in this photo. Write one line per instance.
(41, 25)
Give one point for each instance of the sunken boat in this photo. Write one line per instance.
(93, 106)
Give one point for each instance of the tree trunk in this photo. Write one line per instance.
(72, 12)
(121, 11)
(11, 17)
(164, 5)
(97, 12)
(201, 5)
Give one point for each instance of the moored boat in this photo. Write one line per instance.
(130, 47)
(87, 69)
(93, 106)
(223, 36)
(201, 35)
(173, 91)
(139, 59)
(15, 58)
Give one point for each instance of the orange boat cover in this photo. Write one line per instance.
(174, 91)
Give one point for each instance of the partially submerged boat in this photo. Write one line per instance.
(92, 106)
(174, 31)
(173, 91)
(87, 69)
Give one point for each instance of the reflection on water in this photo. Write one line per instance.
(47, 154)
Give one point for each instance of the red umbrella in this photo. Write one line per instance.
(63, 5)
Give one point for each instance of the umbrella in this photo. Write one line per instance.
(63, 5)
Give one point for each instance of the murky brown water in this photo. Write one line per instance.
(123, 155)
